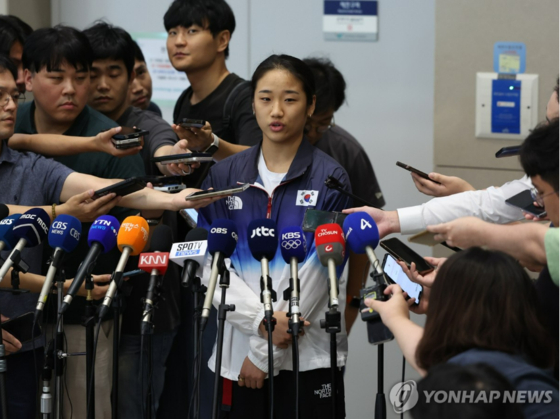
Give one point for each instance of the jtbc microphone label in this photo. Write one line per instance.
(262, 231)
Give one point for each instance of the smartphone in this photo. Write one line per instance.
(213, 193)
(171, 188)
(163, 180)
(122, 188)
(314, 218)
(184, 158)
(20, 327)
(418, 172)
(525, 201)
(396, 275)
(191, 216)
(405, 254)
(129, 138)
(192, 123)
(135, 272)
(508, 151)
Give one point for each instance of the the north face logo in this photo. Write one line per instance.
(234, 203)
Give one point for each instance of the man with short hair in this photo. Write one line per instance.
(141, 89)
(27, 179)
(198, 36)
(12, 39)
(112, 76)
(57, 63)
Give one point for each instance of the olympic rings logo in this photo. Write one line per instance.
(291, 244)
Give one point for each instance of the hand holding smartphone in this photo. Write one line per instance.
(211, 193)
(402, 252)
(129, 138)
(122, 188)
(192, 123)
(418, 172)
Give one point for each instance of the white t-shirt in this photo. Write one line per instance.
(270, 179)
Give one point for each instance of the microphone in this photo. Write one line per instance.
(362, 235)
(4, 211)
(294, 249)
(29, 230)
(155, 263)
(330, 244)
(102, 237)
(190, 254)
(131, 239)
(263, 243)
(222, 240)
(7, 238)
(64, 236)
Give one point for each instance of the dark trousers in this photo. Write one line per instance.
(315, 400)
(22, 377)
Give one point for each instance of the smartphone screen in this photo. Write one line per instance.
(395, 273)
(525, 201)
(402, 252)
(190, 215)
(314, 218)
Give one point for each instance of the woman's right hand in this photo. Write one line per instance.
(280, 335)
(392, 310)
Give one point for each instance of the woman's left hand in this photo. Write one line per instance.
(251, 376)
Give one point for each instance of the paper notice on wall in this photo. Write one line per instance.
(167, 83)
(350, 20)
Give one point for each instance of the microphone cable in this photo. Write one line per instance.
(91, 380)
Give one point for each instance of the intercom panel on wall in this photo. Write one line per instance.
(506, 105)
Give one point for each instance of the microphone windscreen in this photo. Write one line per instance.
(134, 234)
(4, 211)
(262, 238)
(330, 244)
(32, 226)
(197, 234)
(162, 239)
(222, 237)
(65, 233)
(361, 231)
(292, 244)
(7, 231)
(104, 231)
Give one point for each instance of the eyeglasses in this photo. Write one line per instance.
(538, 198)
(320, 129)
(5, 98)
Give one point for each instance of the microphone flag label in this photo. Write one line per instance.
(155, 260)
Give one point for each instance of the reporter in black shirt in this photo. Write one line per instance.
(198, 35)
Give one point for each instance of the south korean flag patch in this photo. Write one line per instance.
(307, 198)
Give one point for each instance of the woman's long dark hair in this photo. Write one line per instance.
(483, 299)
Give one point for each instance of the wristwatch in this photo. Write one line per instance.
(214, 146)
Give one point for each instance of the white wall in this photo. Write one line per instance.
(390, 106)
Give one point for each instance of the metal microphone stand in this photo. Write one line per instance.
(332, 325)
(59, 360)
(268, 295)
(18, 266)
(117, 306)
(89, 323)
(295, 324)
(198, 291)
(147, 329)
(222, 313)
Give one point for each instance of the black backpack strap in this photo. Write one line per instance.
(240, 88)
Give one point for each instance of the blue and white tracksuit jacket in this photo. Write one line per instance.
(303, 187)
